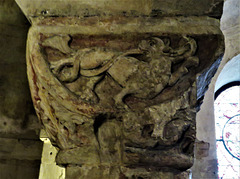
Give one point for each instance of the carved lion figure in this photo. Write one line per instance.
(144, 76)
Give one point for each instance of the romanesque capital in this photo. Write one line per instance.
(114, 85)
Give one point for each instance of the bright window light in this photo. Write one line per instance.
(227, 125)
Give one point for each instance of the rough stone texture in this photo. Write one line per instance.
(19, 169)
(230, 26)
(20, 148)
(229, 74)
(13, 149)
(19, 158)
(115, 87)
(152, 8)
(206, 167)
(16, 111)
(130, 114)
(201, 149)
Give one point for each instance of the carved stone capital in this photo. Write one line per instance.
(117, 95)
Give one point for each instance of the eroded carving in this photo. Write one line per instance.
(84, 97)
(144, 76)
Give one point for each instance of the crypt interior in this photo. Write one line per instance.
(142, 108)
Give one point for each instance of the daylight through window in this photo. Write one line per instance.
(227, 124)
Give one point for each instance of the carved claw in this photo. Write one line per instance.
(119, 99)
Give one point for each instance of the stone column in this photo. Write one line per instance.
(114, 83)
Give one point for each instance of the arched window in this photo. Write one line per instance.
(227, 120)
(227, 125)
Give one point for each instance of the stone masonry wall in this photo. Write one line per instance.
(20, 147)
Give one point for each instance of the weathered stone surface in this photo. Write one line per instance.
(119, 100)
(15, 101)
(202, 149)
(113, 82)
(18, 169)
(230, 26)
(231, 16)
(16, 111)
(20, 148)
(108, 172)
(87, 8)
(11, 14)
(19, 158)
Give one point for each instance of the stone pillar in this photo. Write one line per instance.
(113, 83)
(205, 166)
(48, 168)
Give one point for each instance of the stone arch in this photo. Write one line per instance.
(229, 74)
(205, 164)
(226, 111)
